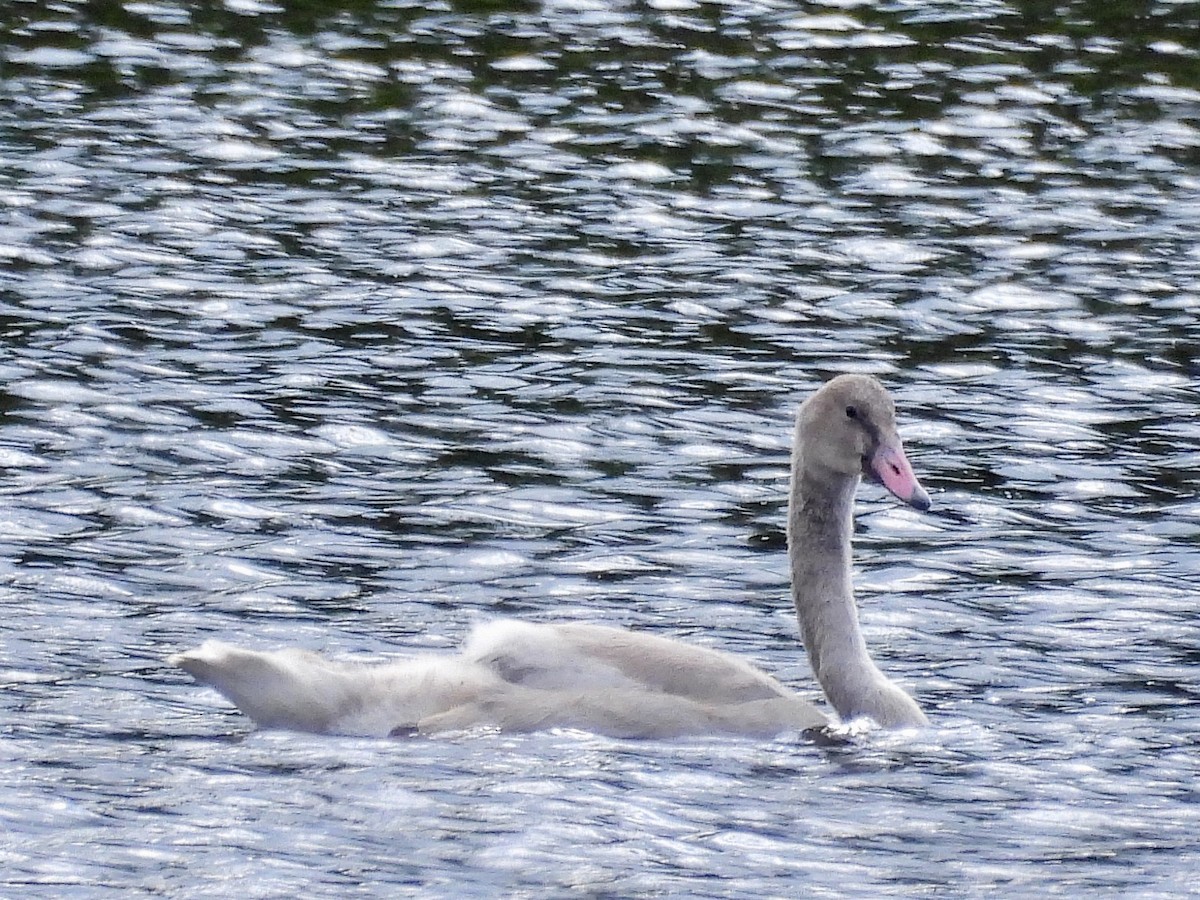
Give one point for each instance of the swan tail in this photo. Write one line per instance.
(292, 688)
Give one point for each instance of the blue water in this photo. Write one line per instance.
(347, 327)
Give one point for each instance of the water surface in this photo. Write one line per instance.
(347, 327)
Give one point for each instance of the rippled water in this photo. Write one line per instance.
(348, 324)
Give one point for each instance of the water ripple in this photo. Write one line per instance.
(347, 327)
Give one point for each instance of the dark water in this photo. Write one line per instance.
(348, 324)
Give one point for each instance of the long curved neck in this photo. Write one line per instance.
(820, 524)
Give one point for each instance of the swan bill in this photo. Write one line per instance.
(891, 467)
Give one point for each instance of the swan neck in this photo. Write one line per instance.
(820, 522)
(820, 526)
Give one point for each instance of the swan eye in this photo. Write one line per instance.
(851, 412)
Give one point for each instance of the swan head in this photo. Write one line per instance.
(849, 427)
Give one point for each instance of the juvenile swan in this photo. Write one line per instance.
(521, 676)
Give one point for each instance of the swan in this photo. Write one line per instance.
(524, 676)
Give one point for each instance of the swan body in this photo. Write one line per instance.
(514, 675)
(523, 676)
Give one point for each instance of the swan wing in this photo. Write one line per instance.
(584, 657)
